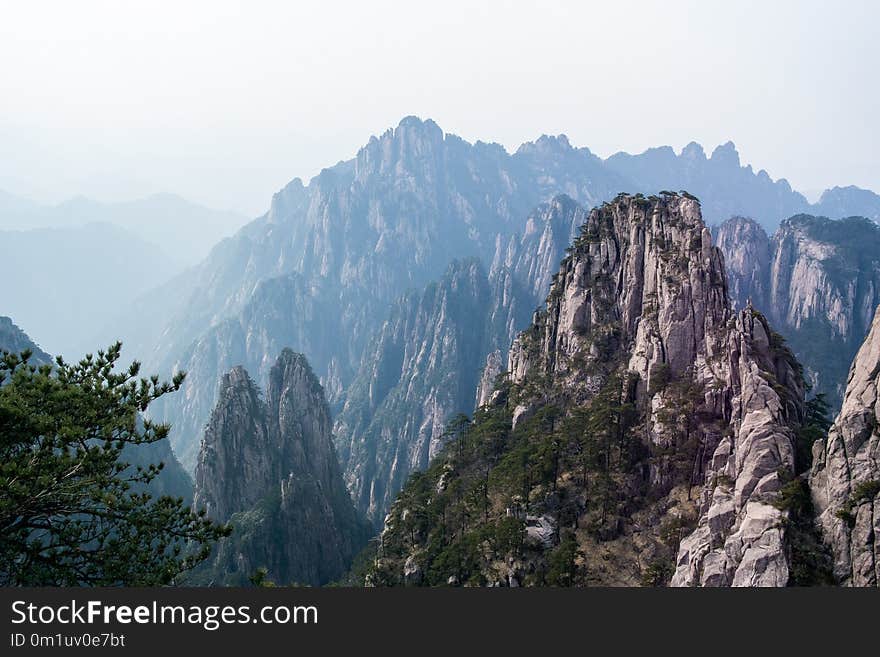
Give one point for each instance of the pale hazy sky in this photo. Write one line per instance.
(224, 102)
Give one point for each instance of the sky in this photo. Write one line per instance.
(224, 102)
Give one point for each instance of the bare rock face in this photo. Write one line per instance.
(647, 268)
(236, 466)
(418, 373)
(740, 537)
(812, 277)
(493, 367)
(270, 469)
(845, 480)
(638, 344)
(746, 250)
(816, 279)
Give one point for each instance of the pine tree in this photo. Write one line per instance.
(69, 513)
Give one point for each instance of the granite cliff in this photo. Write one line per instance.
(817, 280)
(268, 466)
(643, 435)
(845, 479)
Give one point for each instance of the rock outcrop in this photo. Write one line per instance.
(493, 367)
(268, 466)
(644, 269)
(238, 462)
(845, 480)
(818, 282)
(740, 538)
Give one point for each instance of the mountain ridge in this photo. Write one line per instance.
(604, 458)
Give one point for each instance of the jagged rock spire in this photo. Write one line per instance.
(845, 480)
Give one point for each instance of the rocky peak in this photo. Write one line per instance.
(299, 415)
(845, 480)
(644, 268)
(269, 467)
(237, 463)
(693, 152)
(644, 280)
(637, 344)
(546, 144)
(412, 148)
(726, 155)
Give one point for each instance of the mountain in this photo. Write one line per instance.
(645, 432)
(69, 283)
(850, 201)
(845, 479)
(725, 187)
(185, 231)
(818, 281)
(269, 467)
(354, 240)
(421, 369)
(345, 247)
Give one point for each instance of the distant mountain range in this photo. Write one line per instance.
(183, 230)
(323, 269)
(70, 283)
(71, 268)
